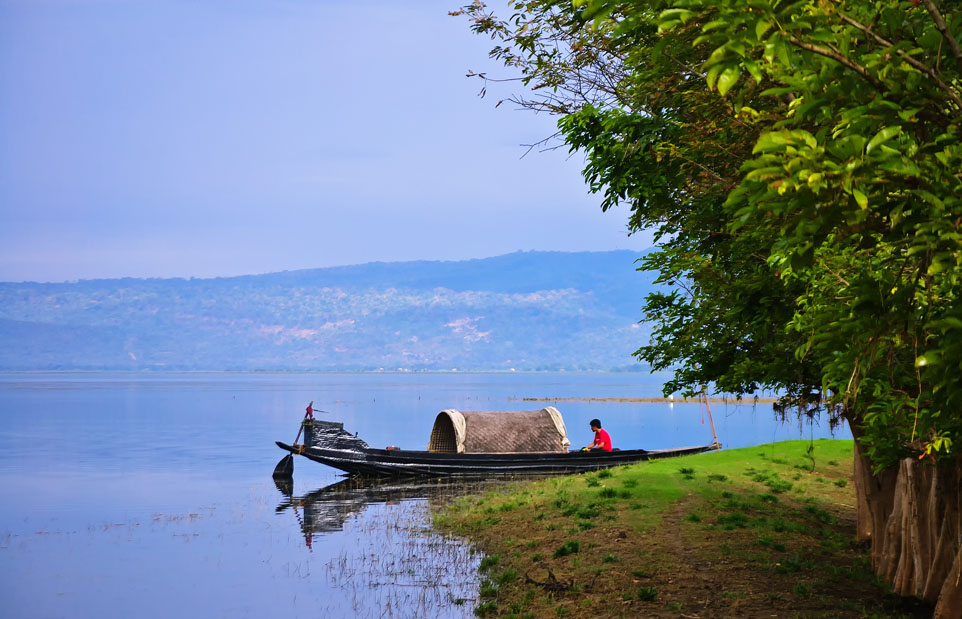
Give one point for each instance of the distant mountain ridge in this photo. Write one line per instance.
(522, 311)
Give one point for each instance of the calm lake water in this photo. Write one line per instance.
(151, 494)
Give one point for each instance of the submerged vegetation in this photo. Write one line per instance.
(761, 529)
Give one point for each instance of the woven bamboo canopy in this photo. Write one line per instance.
(539, 431)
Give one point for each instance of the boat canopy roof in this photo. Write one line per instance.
(540, 431)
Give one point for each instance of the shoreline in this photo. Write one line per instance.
(711, 400)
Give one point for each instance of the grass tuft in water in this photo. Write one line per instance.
(489, 562)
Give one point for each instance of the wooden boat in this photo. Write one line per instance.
(480, 444)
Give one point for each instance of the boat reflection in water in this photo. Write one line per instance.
(373, 542)
(326, 509)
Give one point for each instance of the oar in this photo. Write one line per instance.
(285, 468)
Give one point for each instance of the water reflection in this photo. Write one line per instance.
(326, 509)
(398, 564)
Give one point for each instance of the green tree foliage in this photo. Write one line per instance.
(800, 162)
(857, 185)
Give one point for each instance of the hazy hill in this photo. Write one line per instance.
(526, 310)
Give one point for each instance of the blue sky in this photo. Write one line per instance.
(166, 138)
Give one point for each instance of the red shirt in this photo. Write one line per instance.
(602, 440)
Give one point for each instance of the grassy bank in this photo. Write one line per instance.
(759, 531)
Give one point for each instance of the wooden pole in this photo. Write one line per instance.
(710, 420)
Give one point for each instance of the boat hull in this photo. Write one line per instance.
(405, 463)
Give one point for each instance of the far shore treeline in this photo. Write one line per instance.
(525, 311)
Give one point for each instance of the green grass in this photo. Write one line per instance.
(570, 547)
(580, 495)
(733, 520)
(489, 589)
(647, 594)
(507, 576)
(740, 490)
(488, 562)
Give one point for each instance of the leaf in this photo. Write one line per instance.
(761, 27)
(754, 69)
(860, 198)
(929, 358)
(784, 90)
(714, 25)
(665, 26)
(783, 53)
(681, 14)
(930, 198)
(807, 137)
(764, 173)
(717, 55)
(900, 166)
(712, 75)
(847, 147)
(909, 114)
(947, 323)
(728, 78)
(672, 17)
(884, 135)
(768, 142)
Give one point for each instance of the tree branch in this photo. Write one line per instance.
(541, 142)
(944, 29)
(834, 55)
(907, 59)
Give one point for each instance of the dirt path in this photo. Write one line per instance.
(710, 573)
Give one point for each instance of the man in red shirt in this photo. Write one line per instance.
(602, 440)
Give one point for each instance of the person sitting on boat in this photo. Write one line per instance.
(602, 439)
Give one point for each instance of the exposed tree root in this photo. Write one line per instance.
(912, 513)
(552, 584)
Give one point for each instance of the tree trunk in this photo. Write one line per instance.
(912, 513)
